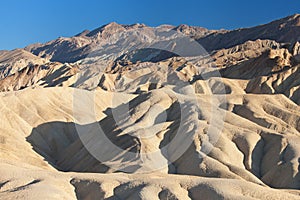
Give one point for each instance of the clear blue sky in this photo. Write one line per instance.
(29, 21)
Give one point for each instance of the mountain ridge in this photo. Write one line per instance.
(210, 39)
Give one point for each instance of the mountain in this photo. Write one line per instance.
(117, 38)
(284, 30)
(80, 46)
(13, 61)
(167, 112)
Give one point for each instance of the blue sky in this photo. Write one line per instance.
(31, 21)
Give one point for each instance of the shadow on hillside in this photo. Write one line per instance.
(64, 144)
(86, 148)
(271, 159)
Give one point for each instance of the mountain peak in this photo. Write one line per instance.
(112, 24)
(111, 28)
(83, 33)
(193, 31)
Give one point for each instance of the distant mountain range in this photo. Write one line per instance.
(72, 49)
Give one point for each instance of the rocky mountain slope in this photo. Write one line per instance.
(284, 30)
(138, 112)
